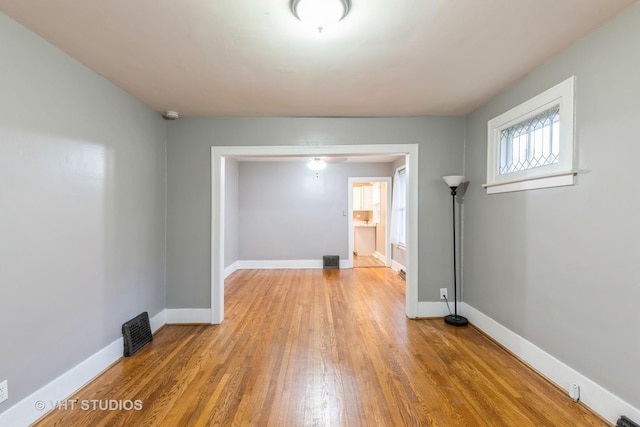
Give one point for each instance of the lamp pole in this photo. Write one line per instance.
(454, 319)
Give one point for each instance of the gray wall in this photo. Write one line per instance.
(287, 213)
(560, 266)
(189, 144)
(82, 201)
(231, 212)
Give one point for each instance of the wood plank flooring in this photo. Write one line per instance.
(323, 348)
(366, 261)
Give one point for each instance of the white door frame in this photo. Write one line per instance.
(218, 155)
(387, 234)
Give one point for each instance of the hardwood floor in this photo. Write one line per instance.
(323, 348)
(366, 261)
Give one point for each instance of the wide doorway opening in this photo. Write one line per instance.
(218, 159)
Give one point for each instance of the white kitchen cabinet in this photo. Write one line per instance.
(363, 198)
(357, 199)
(367, 198)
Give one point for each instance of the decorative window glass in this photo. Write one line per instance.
(532, 143)
(531, 146)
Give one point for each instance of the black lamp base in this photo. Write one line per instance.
(455, 320)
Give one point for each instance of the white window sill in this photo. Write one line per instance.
(545, 181)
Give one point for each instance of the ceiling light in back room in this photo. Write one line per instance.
(320, 14)
(317, 164)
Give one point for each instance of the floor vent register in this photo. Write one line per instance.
(136, 334)
(626, 422)
(330, 261)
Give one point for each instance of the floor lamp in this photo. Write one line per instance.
(454, 182)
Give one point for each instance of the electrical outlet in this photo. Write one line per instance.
(574, 392)
(443, 293)
(4, 391)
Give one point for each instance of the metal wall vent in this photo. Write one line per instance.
(331, 261)
(136, 334)
(626, 422)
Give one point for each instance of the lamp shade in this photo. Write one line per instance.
(453, 180)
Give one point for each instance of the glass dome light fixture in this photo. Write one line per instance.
(320, 13)
(317, 164)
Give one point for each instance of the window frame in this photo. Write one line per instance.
(402, 238)
(376, 203)
(556, 174)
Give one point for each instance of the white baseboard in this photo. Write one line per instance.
(158, 321)
(284, 264)
(228, 271)
(25, 413)
(432, 309)
(395, 265)
(188, 315)
(381, 257)
(600, 400)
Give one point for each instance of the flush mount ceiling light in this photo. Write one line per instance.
(316, 164)
(320, 13)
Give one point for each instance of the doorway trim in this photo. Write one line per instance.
(218, 155)
(387, 237)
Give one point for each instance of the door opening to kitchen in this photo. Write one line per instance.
(369, 219)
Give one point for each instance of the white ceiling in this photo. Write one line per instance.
(253, 58)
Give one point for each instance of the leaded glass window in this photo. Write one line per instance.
(531, 146)
(531, 143)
